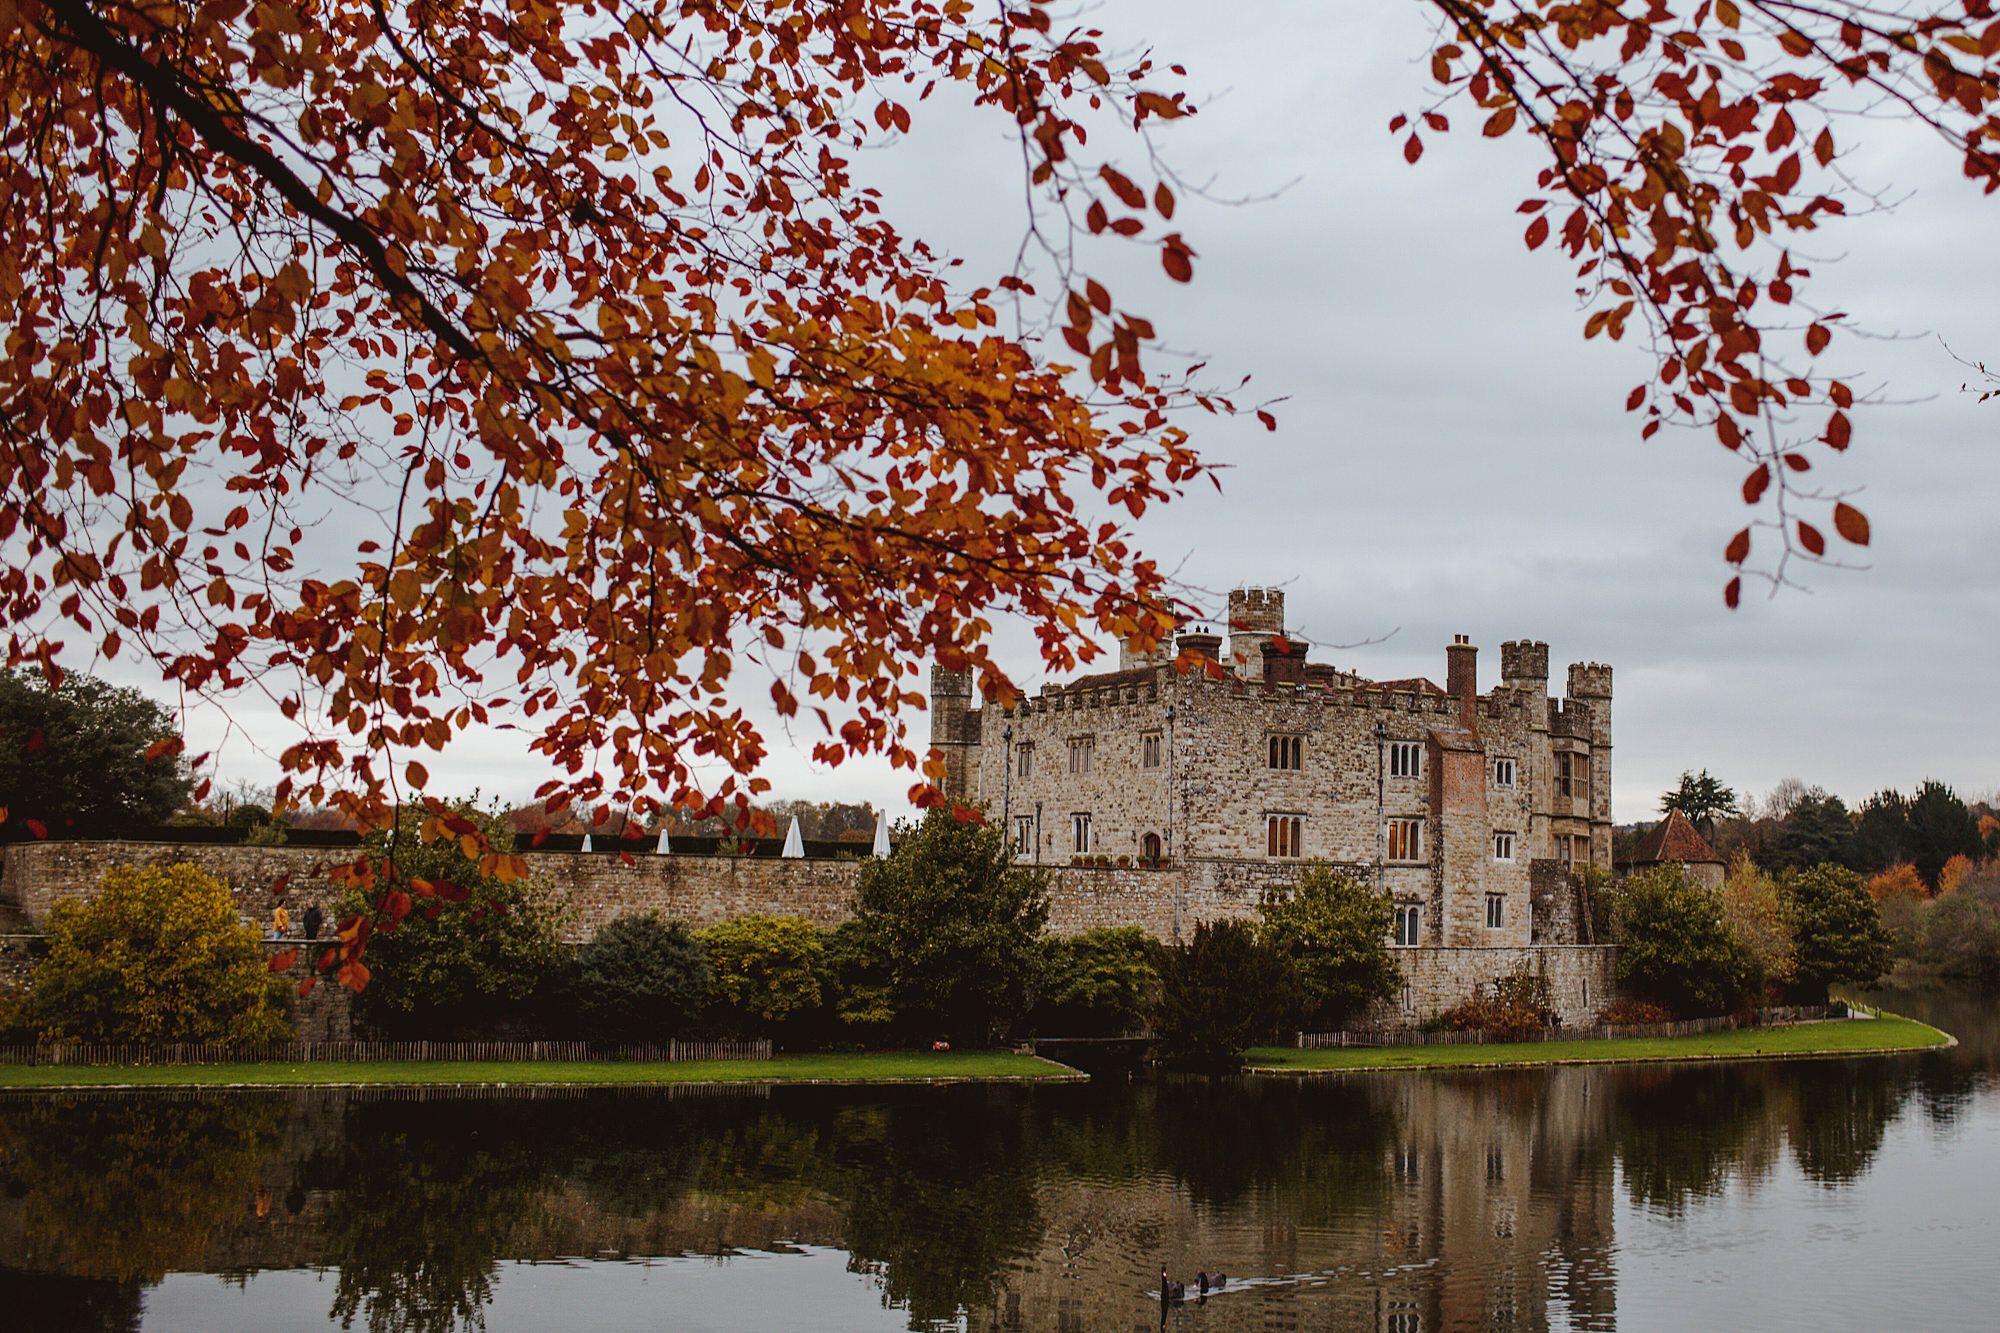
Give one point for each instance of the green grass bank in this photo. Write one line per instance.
(1857, 1036)
(1882, 1034)
(867, 1067)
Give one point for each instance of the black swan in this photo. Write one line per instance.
(1210, 1281)
(1169, 1289)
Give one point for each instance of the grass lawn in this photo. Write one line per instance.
(1884, 1033)
(867, 1067)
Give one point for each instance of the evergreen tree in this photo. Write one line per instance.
(1678, 949)
(954, 922)
(1838, 936)
(85, 754)
(1335, 930)
(1223, 991)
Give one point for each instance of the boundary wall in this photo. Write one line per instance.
(702, 890)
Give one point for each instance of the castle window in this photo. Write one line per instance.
(1024, 761)
(1503, 846)
(1496, 910)
(1503, 772)
(1281, 835)
(1082, 751)
(1409, 920)
(1149, 750)
(1080, 830)
(1024, 832)
(1406, 759)
(1288, 752)
(1406, 840)
(1572, 775)
(1149, 847)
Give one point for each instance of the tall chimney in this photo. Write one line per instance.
(1462, 680)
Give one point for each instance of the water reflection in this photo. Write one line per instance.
(1498, 1200)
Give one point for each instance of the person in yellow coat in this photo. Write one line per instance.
(281, 921)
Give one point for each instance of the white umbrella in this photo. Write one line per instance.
(882, 835)
(795, 847)
(662, 847)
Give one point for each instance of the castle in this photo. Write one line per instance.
(1461, 804)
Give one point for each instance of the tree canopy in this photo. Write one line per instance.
(1335, 930)
(85, 753)
(1677, 947)
(550, 361)
(952, 921)
(1701, 799)
(158, 955)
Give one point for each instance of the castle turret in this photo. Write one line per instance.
(1591, 683)
(1256, 616)
(1524, 665)
(954, 729)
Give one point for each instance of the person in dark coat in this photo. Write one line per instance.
(312, 921)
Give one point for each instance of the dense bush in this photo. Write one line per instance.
(1839, 936)
(641, 979)
(1335, 931)
(469, 952)
(1223, 991)
(1095, 984)
(159, 955)
(952, 922)
(1518, 1001)
(1678, 950)
(1960, 932)
(1630, 1013)
(765, 971)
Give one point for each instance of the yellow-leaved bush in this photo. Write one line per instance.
(159, 955)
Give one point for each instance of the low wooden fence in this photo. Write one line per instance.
(1692, 1027)
(309, 1052)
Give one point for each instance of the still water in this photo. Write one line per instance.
(1851, 1194)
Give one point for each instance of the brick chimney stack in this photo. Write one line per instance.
(1462, 680)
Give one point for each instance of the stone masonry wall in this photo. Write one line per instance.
(702, 890)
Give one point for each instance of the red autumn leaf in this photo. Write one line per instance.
(37, 827)
(1413, 149)
(1128, 194)
(1732, 593)
(1850, 523)
(326, 960)
(1817, 337)
(1739, 548)
(279, 885)
(306, 986)
(1755, 484)
(282, 962)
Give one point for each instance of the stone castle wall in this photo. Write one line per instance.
(702, 890)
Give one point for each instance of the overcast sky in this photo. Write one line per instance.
(1453, 458)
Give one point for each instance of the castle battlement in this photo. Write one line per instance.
(1260, 759)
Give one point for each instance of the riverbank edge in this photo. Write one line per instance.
(1465, 1055)
(527, 1075)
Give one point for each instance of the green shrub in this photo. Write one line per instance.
(1223, 991)
(1678, 950)
(765, 971)
(641, 979)
(159, 955)
(1095, 984)
(471, 952)
(1335, 931)
(1840, 937)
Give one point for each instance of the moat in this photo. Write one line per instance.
(1849, 1194)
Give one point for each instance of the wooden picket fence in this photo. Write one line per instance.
(307, 1052)
(1692, 1027)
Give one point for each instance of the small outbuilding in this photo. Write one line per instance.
(1676, 839)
